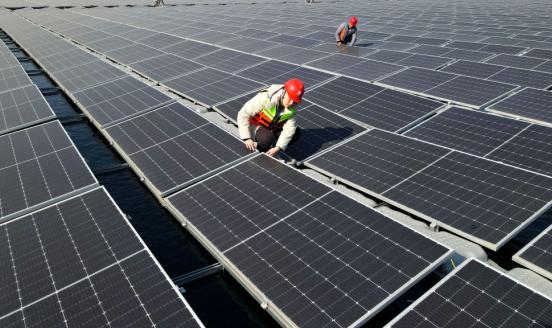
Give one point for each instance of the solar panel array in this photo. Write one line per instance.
(292, 250)
(39, 166)
(482, 200)
(537, 254)
(79, 262)
(477, 295)
(318, 257)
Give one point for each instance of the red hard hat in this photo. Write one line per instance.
(353, 21)
(295, 89)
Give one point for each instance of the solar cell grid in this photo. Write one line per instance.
(417, 79)
(22, 107)
(524, 77)
(467, 130)
(87, 75)
(537, 254)
(528, 103)
(370, 70)
(478, 295)
(173, 146)
(39, 165)
(473, 69)
(516, 61)
(57, 278)
(302, 272)
(165, 67)
(391, 110)
(12, 78)
(133, 53)
(120, 99)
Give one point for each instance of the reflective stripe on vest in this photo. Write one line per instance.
(270, 118)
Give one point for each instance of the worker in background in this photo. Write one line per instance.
(267, 121)
(346, 33)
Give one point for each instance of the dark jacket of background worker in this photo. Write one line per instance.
(346, 33)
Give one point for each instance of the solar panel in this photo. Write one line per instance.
(391, 110)
(471, 91)
(370, 70)
(165, 67)
(545, 67)
(466, 45)
(468, 55)
(172, 147)
(133, 53)
(190, 49)
(539, 53)
(429, 50)
(118, 100)
(467, 130)
(87, 75)
(231, 108)
(451, 192)
(424, 61)
(319, 130)
(473, 69)
(500, 49)
(313, 260)
(529, 103)
(39, 166)
(335, 63)
(160, 41)
(12, 78)
(229, 61)
(530, 149)
(537, 254)
(417, 79)
(22, 107)
(109, 44)
(516, 61)
(79, 262)
(377, 159)
(441, 186)
(389, 56)
(341, 93)
(524, 77)
(476, 295)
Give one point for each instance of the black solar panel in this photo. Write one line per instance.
(475, 295)
(377, 160)
(473, 69)
(370, 70)
(190, 49)
(120, 99)
(530, 149)
(38, 166)
(417, 79)
(467, 130)
(341, 93)
(468, 55)
(391, 110)
(229, 61)
(524, 77)
(451, 192)
(539, 53)
(471, 91)
(389, 56)
(12, 78)
(79, 262)
(165, 67)
(173, 146)
(133, 53)
(335, 63)
(528, 103)
(501, 49)
(319, 129)
(424, 61)
(537, 254)
(23, 107)
(274, 72)
(323, 260)
(516, 61)
(87, 75)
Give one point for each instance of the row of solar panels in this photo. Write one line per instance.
(68, 254)
(247, 231)
(499, 146)
(463, 86)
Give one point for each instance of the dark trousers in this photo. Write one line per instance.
(267, 138)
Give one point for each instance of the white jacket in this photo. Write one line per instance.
(255, 105)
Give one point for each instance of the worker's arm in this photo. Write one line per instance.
(338, 32)
(353, 39)
(252, 107)
(288, 131)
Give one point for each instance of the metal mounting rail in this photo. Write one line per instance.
(197, 274)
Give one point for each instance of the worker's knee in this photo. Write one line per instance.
(264, 138)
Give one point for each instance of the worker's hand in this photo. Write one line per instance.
(339, 43)
(249, 145)
(273, 151)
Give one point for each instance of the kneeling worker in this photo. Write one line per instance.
(346, 33)
(267, 121)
